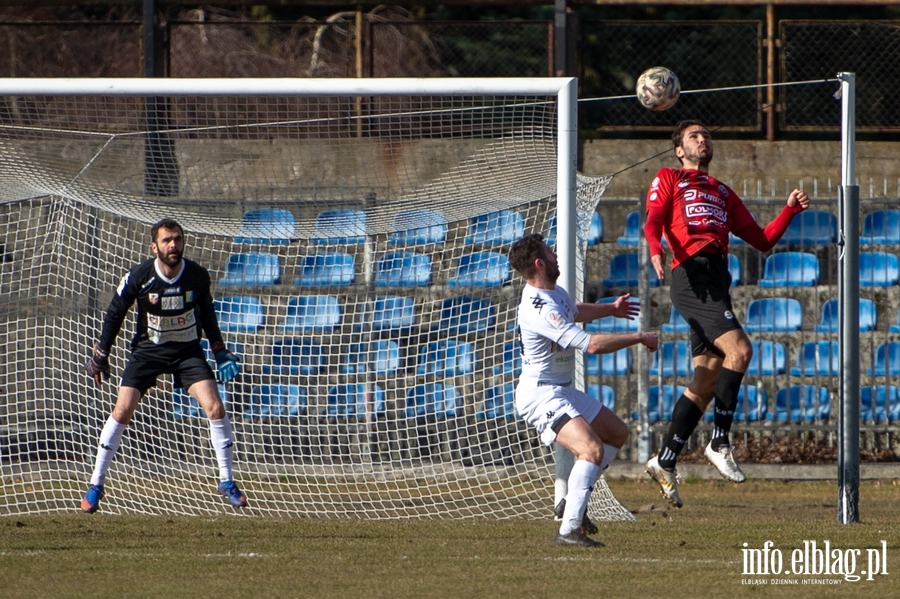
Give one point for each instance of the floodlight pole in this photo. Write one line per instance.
(848, 294)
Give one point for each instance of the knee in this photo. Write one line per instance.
(217, 411)
(741, 356)
(593, 453)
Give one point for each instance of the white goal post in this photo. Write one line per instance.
(356, 233)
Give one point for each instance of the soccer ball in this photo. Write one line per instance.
(658, 88)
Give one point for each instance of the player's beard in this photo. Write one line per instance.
(171, 260)
(700, 158)
(553, 272)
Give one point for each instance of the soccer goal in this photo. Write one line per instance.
(356, 232)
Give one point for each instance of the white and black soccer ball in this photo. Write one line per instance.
(658, 88)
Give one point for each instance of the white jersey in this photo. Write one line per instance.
(548, 335)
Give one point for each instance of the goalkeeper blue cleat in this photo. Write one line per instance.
(229, 489)
(91, 501)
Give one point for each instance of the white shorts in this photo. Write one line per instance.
(541, 406)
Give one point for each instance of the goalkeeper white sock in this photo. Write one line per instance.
(581, 483)
(609, 454)
(223, 444)
(110, 437)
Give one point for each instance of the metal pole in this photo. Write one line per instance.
(848, 294)
(560, 53)
(770, 72)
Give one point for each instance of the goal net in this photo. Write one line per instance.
(356, 233)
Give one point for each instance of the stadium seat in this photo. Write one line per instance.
(340, 227)
(868, 316)
(771, 314)
(311, 313)
(326, 268)
(619, 362)
(351, 401)
(613, 324)
(239, 313)
(499, 402)
(876, 402)
(811, 227)
(435, 400)
(296, 357)
(752, 402)
(389, 313)
(604, 394)
(895, 327)
(496, 228)
(403, 269)
(632, 233)
(625, 271)
(418, 226)
(817, 358)
(887, 359)
(276, 401)
(447, 358)
(595, 233)
(273, 226)
(251, 268)
(185, 406)
(511, 360)
(734, 268)
(481, 269)
(467, 315)
(676, 323)
(661, 410)
(881, 227)
(801, 403)
(790, 269)
(673, 358)
(769, 357)
(380, 357)
(878, 269)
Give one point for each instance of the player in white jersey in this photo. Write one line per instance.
(545, 397)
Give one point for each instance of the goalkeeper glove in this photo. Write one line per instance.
(226, 363)
(98, 366)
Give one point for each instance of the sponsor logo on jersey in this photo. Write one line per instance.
(153, 298)
(538, 303)
(172, 291)
(163, 329)
(729, 314)
(655, 183)
(167, 323)
(705, 210)
(654, 196)
(555, 319)
(693, 195)
(173, 302)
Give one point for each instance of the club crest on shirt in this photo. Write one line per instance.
(188, 296)
(554, 318)
(153, 298)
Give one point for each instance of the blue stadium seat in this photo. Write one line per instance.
(604, 394)
(311, 313)
(272, 226)
(595, 234)
(878, 269)
(481, 269)
(511, 360)
(661, 410)
(613, 324)
(769, 357)
(418, 226)
(624, 271)
(447, 358)
(499, 402)
(619, 362)
(185, 406)
(817, 358)
(790, 269)
(277, 401)
(251, 268)
(390, 313)
(770, 314)
(887, 359)
(632, 233)
(340, 227)
(676, 324)
(435, 400)
(403, 269)
(467, 315)
(351, 401)
(877, 401)
(811, 227)
(868, 316)
(239, 313)
(673, 358)
(295, 357)
(380, 357)
(752, 402)
(496, 228)
(801, 403)
(326, 268)
(881, 227)
(735, 269)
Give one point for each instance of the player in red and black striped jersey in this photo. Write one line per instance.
(174, 305)
(696, 213)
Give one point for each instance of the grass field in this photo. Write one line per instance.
(692, 552)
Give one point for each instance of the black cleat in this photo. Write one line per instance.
(586, 523)
(577, 538)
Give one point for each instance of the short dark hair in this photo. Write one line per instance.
(678, 133)
(524, 252)
(166, 223)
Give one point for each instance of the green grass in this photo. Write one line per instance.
(692, 552)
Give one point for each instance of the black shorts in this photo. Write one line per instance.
(701, 292)
(186, 366)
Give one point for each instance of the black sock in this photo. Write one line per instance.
(728, 385)
(685, 417)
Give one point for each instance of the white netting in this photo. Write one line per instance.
(355, 272)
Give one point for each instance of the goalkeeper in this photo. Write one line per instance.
(173, 303)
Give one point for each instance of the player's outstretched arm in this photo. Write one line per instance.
(227, 366)
(606, 343)
(622, 307)
(98, 366)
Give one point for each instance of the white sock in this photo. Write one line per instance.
(110, 437)
(221, 438)
(564, 462)
(581, 483)
(609, 454)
